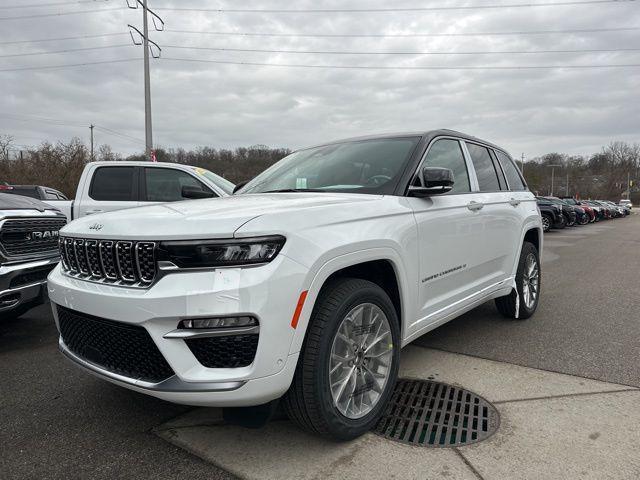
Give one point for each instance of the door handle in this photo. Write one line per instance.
(514, 203)
(474, 206)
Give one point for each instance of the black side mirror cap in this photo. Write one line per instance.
(193, 193)
(239, 186)
(432, 181)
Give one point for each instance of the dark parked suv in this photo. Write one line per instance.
(28, 252)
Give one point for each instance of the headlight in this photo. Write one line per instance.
(221, 253)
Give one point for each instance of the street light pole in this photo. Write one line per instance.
(553, 169)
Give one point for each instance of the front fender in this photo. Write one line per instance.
(319, 274)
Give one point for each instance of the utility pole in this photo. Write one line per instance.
(147, 82)
(158, 24)
(628, 186)
(91, 128)
(553, 168)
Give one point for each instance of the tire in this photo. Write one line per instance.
(546, 223)
(562, 223)
(309, 402)
(507, 305)
(569, 222)
(585, 219)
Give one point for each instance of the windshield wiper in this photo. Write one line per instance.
(289, 190)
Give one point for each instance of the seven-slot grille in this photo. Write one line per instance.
(20, 237)
(128, 262)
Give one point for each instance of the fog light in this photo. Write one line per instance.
(219, 322)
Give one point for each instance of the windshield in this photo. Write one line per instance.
(365, 166)
(223, 183)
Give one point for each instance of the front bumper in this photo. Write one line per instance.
(268, 292)
(22, 283)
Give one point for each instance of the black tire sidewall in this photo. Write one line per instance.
(339, 425)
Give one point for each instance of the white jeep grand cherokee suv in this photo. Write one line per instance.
(306, 283)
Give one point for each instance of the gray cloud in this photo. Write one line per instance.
(532, 111)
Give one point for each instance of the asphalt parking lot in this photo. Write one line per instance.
(58, 422)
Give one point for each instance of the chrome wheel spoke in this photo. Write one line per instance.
(358, 368)
(530, 280)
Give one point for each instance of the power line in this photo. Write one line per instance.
(38, 5)
(353, 52)
(390, 10)
(388, 67)
(52, 121)
(62, 14)
(406, 35)
(79, 37)
(69, 50)
(67, 65)
(119, 134)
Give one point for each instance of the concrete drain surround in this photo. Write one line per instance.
(434, 414)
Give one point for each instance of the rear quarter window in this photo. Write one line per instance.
(115, 184)
(511, 172)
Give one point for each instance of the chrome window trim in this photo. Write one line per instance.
(473, 181)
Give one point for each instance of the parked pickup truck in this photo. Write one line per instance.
(28, 252)
(34, 191)
(306, 283)
(107, 186)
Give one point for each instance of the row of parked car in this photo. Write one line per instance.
(567, 211)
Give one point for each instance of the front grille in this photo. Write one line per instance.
(120, 348)
(224, 352)
(24, 237)
(37, 275)
(124, 262)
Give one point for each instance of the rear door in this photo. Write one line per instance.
(111, 188)
(501, 223)
(448, 235)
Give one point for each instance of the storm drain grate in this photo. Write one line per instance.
(433, 414)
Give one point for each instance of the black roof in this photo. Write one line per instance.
(427, 134)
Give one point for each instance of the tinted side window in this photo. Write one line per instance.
(511, 172)
(447, 153)
(165, 184)
(485, 171)
(115, 184)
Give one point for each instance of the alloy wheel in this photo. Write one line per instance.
(530, 281)
(360, 362)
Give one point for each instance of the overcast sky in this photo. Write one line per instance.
(534, 111)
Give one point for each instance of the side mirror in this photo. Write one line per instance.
(193, 193)
(432, 181)
(239, 186)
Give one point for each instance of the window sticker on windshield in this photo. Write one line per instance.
(301, 182)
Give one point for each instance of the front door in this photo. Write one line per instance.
(449, 229)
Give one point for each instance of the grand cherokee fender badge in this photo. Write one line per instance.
(445, 272)
(96, 226)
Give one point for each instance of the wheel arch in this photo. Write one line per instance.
(382, 266)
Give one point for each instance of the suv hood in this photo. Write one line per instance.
(207, 218)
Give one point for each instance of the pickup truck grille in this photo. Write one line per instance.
(119, 262)
(29, 237)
